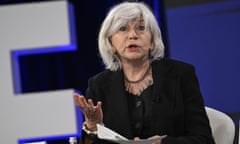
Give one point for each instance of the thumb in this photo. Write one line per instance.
(136, 138)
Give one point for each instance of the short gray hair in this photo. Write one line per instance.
(121, 14)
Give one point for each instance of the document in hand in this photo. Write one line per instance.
(110, 135)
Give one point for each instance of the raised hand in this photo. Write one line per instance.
(93, 113)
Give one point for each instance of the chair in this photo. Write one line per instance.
(222, 126)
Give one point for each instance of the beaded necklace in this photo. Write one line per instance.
(138, 86)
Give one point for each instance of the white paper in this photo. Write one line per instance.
(110, 135)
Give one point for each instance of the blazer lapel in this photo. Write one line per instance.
(159, 70)
(160, 106)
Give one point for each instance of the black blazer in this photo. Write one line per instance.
(178, 106)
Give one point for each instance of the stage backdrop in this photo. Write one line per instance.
(206, 33)
(45, 71)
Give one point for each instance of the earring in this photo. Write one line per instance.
(114, 56)
(114, 59)
(150, 56)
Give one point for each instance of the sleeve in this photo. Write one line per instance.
(196, 124)
(93, 91)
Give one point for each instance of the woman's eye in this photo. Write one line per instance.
(123, 28)
(141, 28)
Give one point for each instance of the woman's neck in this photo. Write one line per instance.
(137, 77)
(136, 71)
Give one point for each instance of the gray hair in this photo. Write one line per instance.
(119, 15)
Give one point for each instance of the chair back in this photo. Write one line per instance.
(222, 126)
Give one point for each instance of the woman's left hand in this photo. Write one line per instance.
(152, 137)
(93, 113)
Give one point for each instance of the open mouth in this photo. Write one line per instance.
(133, 46)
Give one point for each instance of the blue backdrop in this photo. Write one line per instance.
(207, 35)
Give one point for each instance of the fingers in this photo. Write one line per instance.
(87, 106)
(152, 137)
(80, 100)
(99, 105)
(90, 103)
(155, 136)
(136, 138)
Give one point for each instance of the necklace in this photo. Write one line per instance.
(138, 86)
(137, 81)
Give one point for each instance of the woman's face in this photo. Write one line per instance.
(132, 41)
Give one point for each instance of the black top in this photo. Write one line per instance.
(178, 109)
(140, 113)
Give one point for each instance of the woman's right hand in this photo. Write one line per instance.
(93, 113)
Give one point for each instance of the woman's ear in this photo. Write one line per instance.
(152, 43)
(151, 46)
(114, 50)
(110, 39)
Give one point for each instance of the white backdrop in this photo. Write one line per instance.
(30, 27)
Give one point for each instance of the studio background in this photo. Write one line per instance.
(204, 33)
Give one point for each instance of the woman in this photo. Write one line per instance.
(141, 95)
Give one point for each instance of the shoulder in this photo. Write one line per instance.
(105, 76)
(172, 65)
(173, 62)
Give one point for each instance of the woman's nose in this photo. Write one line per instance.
(132, 34)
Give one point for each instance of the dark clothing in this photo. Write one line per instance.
(140, 113)
(177, 107)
